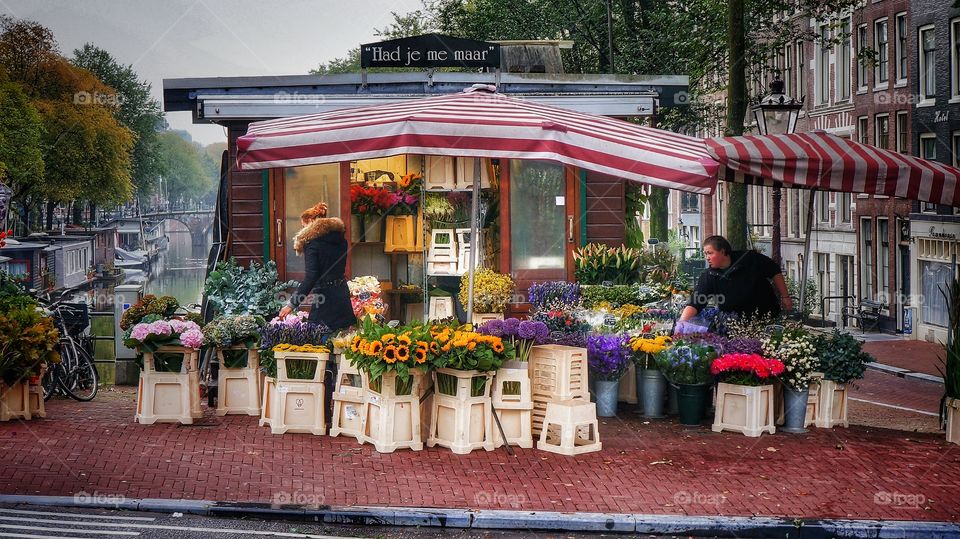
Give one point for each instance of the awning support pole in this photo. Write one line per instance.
(806, 257)
(474, 217)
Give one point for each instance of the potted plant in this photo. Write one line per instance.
(745, 393)
(608, 357)
(28, 342)
(686, 365)
(554, 296)
(653, 385)
(255, 290)
(950, 404)
(367, 203)
(841, 361)
(491, 292)
(235, 339)
(795, 348)
(165, 340)
(163, 307)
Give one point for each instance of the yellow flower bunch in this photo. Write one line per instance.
(650, 345)
(491, 290)
(628, 310)
(392, 348)
(408, 180)
(305, 348)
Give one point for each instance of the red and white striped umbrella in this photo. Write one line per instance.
(827, 162)
(482, 124)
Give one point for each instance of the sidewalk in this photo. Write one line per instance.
(911, 356)
(652, 468)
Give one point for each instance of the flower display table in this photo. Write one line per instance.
(300, 393)
(391, 412)
(14, 401)
(169, 388)
(238, 381)
(745, 409)
(513, 405)
(461, 417)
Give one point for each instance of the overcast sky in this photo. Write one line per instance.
(209, 38)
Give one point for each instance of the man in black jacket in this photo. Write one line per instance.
(741, 282)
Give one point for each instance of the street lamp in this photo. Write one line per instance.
(777, 114)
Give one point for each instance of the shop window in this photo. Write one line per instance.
(862, 65)
(933, 307)
(880, 43)
(537, 238)
(927, 45)
(843, 62)
(903, 132)
(901, 29)
(302, 188)
(823, 207)
(866, 258)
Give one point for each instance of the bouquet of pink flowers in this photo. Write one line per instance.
(365, 296)
(153, 332)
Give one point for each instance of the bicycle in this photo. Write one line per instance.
(75, 375)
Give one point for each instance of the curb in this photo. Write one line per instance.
(904, 373)
(694, 526)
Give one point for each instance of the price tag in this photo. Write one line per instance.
(606, 283)
(393, 323)
(374, 399)
(610, 320)
(364, 296)
(283, 389)
(350, 411)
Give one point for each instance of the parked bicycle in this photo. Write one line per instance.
(75, 375)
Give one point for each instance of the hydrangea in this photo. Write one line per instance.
(192, 338)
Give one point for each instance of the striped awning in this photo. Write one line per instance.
(482, 123)
(827, 162)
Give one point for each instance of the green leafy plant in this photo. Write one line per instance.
(27, 341)
(256, 290)
(811, 299)
(615, 296)
(596, 263)
(162, 306)
(842, 358)
(951, 363)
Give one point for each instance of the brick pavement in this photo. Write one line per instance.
(916, 356)
(645, 467)
(877, 386)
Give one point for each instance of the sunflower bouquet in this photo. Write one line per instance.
(461, 349)
(379, 349)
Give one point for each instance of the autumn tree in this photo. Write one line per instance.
(188, 175)
(21, 138)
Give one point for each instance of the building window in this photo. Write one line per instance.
(927, 44)
(883, 259)
(881, 126)
(955, 58)
(823, 207)
(862, 135)
(861, 64)
(788, 67)
(689, 202)
(823, 281)
(801, 71)
(933, 311)
(903, 132)
(901, 47)
(866, 258)
(880, 42)
(928, 146)
(846, 200)
(823, 66)
(843, 62)
(956, 147)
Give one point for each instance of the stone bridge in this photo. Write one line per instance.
(198, 221)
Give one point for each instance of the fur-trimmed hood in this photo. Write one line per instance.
(318, 228)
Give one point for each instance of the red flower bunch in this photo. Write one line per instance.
(4, 235)
(746, 369)
(369, 200)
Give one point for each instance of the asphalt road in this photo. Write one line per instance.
(38, 522)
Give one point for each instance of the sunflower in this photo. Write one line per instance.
(434, 347)
(403, 353)
(404, 339)
(390, 354)
(388, 338)
(420, 356)
(374, 348)
(471, 345)
(445, 348)
(355, 343)
(498, 347)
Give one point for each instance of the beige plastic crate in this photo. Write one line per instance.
(401, 233)
(570, 428)
(268, 401)
(347, 401)
(953, 421)
(36, 404)
(461, 422)
(441, 308)
(14, 401)
(169, 397)
(238, 389)
(478, 319)
(559, 372)
(833, 405)
(512, 403)
(466, 172)
(441, 172)
(283, 357)
(299, 408)
(391, 419)
(745, 409)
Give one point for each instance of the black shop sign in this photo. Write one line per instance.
(430, 50)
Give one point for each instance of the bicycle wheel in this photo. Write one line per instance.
(82, 380)
(49, 381)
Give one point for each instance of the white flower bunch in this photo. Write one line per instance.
(795, 348)
(366, 284)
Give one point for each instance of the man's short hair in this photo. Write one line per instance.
(719, 243)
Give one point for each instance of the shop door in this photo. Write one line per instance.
(293, 190)
(543, 228)
(845, 281)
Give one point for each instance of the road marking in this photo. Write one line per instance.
(905, 409)
(29, 536)
(77, 515)
(71, 530)
(179, 528)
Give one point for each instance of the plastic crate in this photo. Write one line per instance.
(559, 372)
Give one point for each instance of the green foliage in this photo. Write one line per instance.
(149, 305)
(596, 263)
(810, 301)
(951, 363)
(27, 339)
(233, 290)
(21, 136)
(227, 331)
(616, 296)
(842, 358)
(186, 177)
(658, 266)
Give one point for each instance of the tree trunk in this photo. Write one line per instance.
(775, 229)
(736, 111)
(658, 213)
(93, 214)
(50, 206)
(77, 212)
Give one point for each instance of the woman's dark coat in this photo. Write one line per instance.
(324, 249)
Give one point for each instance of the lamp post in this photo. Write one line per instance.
(777, 114)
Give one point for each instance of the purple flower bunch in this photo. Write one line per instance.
(523, 334)
(293, 329)
(608, 355)
(554, 295)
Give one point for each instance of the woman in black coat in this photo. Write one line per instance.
(322, 243)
